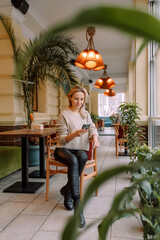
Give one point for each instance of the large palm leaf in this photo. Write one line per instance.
(47, 56)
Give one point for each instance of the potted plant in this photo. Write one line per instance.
(130, 115)
(95, 118)
(148, 189)
(112, 118)
(45, 57)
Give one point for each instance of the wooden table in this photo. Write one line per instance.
(25, 186)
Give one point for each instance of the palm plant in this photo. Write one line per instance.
(47, 56)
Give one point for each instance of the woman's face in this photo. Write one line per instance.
(77, 100)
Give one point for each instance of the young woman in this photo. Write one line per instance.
(73, 144)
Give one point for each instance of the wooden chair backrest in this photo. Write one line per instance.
(90, 152)
(119, 131)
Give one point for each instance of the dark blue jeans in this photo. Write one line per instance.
(75, 160)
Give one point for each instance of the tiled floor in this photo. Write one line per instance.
(29, 216)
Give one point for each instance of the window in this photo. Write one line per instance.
(154, 84)
(109, 105)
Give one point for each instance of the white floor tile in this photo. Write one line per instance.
(91, 232)
(43, 235)
(57, 219)
(97, 207)
(23, 197)
(5, 196)
(8, 211)
(113, 238)
(24, 227)
(40, 206)
(127, 228)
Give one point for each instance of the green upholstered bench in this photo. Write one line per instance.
(10, 160)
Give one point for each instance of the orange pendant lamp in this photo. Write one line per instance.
(90, 58)
(109, 92)
(105, 81)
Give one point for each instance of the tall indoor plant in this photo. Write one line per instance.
(130, 116)
(148, 189)
(45, 57)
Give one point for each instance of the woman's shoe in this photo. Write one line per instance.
(78, 207)
(68, 202)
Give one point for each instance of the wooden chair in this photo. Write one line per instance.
(91, 163)
(120, 138)
(53, 166)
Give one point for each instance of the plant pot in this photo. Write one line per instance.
(148, 230)
(33, 155)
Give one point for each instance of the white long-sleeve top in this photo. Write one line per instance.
(68, 123)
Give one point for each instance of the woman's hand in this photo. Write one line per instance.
(77, 133)
(95, 142)
(80, 132)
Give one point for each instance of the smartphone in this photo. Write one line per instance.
(86, 126)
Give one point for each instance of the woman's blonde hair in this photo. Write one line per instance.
(79, 89)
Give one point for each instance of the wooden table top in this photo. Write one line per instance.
(29, 133)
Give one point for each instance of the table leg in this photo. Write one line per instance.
(24, 147)
(40, 173)
(125, 153)
(42, 156)
(25, 186)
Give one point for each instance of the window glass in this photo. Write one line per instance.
(154, 84)
(109, 105)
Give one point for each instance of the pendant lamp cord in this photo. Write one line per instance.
(89, 37)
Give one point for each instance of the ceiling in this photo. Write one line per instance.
(114, 46)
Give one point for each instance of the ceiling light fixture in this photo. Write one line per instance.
(105, 81)
(109, 92)
(90, 58)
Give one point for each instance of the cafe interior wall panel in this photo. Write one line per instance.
(11, 108)
(64, 101)
(6, 81)
(157, 88)
(6, 66)
(130, 85)
(141, 72)
(141, 79)
(3, 33)
(94, 102)
(53, 112)
(6, 85)
(5, 48)
(42, 98)
(143, 4)
(52, 100)
(6, 103)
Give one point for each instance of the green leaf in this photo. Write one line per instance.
(146, 186)
(132, 21)
(137, 175)
(101, 179)
(145, 219)
(70, 231)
